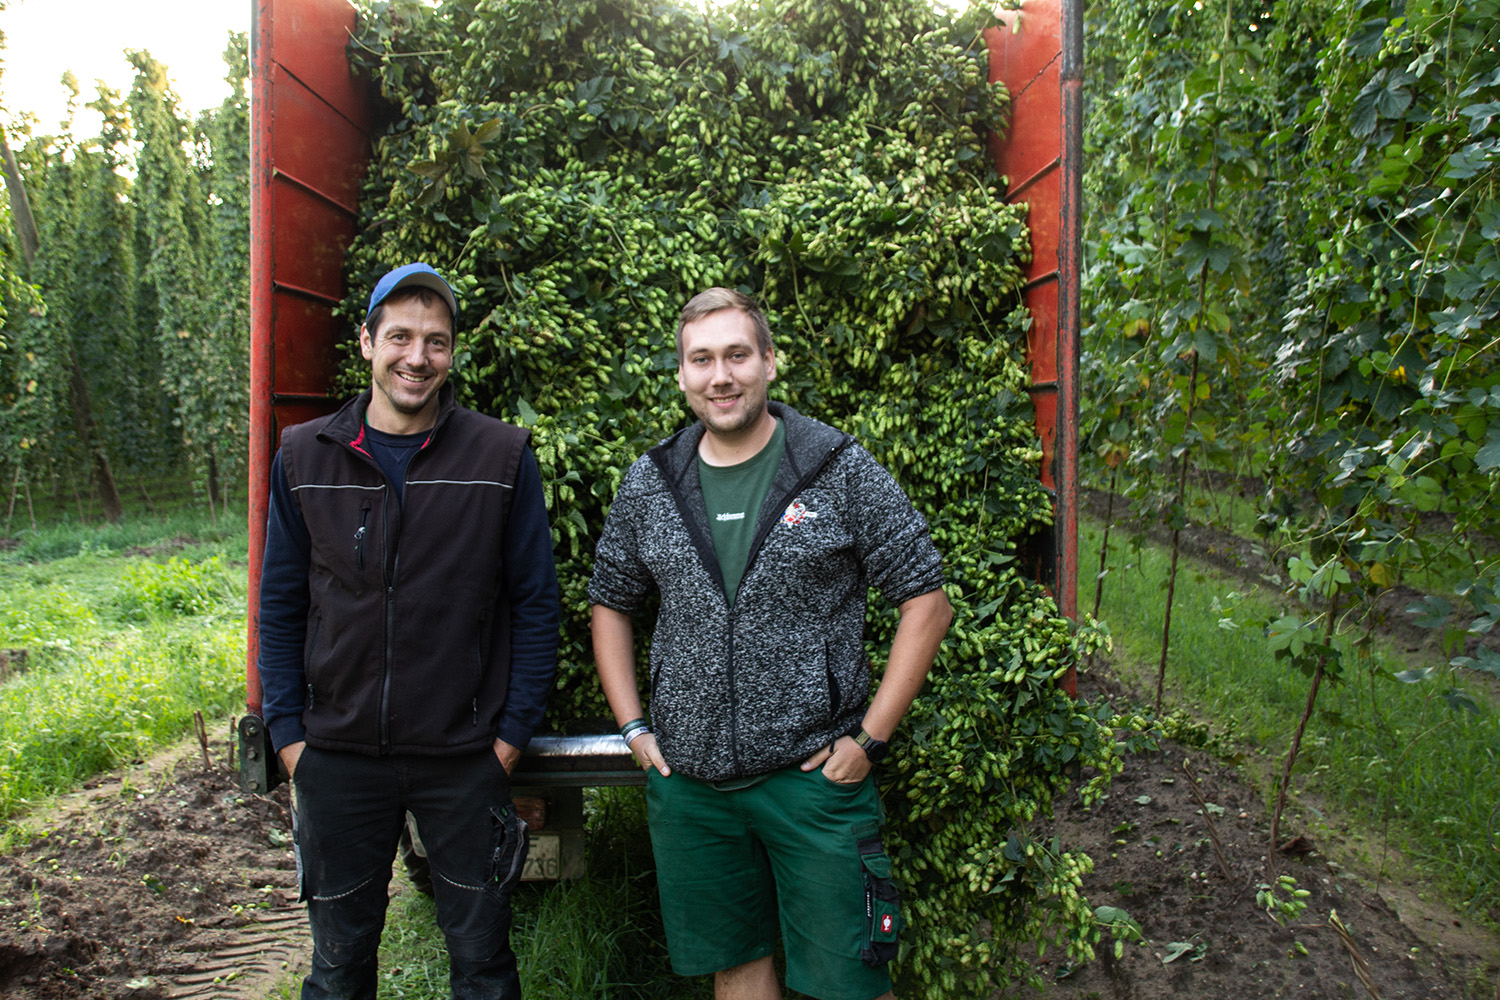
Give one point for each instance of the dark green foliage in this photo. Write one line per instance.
(33, 399)
(583, 169)
(173, 234)
(1351, 258)
(222, 415)
(87, 265)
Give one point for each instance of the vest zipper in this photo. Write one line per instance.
(392, 560)
(359, 537)
(385, 682)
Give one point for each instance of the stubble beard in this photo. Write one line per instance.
(729, 425)
(407, 404)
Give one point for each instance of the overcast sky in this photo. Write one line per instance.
(43, 38)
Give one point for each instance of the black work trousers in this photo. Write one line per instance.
(349, 812)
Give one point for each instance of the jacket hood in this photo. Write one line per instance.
(808, 443)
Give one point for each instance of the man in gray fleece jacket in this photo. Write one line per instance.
(762, 531)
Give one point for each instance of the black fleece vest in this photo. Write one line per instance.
(408, 644)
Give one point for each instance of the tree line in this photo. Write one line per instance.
(124, 293)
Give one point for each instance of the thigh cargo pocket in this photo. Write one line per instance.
(508, 854)
(882, 904)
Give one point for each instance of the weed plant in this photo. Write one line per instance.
(177, 587)
(1416, 773)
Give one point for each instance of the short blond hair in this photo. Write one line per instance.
(716, 299)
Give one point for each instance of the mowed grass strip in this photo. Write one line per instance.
(1397, 760)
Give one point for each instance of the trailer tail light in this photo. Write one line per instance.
(532, 809)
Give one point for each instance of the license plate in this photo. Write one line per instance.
(544, 859)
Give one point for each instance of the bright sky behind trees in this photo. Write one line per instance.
(44, 38)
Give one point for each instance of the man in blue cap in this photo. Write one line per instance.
(408, 640)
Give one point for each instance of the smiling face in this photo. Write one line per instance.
(724, 375)
(410, 354)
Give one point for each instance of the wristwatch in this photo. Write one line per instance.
(876, 750)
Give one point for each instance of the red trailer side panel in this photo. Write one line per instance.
(1038, 56)
(310, 123)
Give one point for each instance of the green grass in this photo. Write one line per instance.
(1448, 564)
(1393, 758)
(1224, 509)
(187, 532)
(119, 652)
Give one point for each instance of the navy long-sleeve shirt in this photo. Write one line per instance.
(528, 576)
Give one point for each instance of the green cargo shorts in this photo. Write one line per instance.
(790, 850)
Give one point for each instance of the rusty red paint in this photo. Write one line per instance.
(1037, 55)
(310, 123)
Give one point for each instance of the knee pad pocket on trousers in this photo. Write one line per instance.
(476, 918)
(505, 857)
(347, 926)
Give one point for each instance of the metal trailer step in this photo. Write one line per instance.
(578, 761)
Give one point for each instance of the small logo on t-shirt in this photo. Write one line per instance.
(796, 512)
(730, 517)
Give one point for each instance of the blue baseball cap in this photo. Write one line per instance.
(413, 274)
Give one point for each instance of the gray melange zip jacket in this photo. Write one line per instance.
(742, 691)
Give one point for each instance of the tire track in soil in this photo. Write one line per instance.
(158, 881)
(273, 948)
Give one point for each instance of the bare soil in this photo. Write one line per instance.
(161, 880)
(1204, 935)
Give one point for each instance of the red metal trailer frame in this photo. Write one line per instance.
(311, 122)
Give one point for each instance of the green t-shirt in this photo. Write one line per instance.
(733, 495)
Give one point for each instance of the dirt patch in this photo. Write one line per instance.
(1205, 935)
(163, 880)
